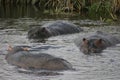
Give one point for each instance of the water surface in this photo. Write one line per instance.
(98, 67)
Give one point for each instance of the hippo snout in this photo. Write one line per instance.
(38, 33)
(92, 46)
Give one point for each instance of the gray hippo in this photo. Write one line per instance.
(96, 42)
(22, 57)
(53, 29)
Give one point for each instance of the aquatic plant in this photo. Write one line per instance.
(94, 8)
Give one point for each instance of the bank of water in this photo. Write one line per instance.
(99, 67)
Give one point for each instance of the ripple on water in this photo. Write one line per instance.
(98, 67)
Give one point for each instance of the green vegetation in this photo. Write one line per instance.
(102, 9)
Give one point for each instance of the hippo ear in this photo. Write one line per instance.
(43, 29)
(84, 39)
(25, 49)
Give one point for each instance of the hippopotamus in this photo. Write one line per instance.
(21, 56)
(96, 42)
(53, 29)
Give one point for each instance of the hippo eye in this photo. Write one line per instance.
(43, 29)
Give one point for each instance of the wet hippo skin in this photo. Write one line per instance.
(97, 42)
(21, 57)
(53, 29)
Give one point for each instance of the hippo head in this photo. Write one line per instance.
(13, 50)
(38, 33)
(92, 46)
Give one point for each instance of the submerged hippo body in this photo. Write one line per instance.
(97, 42)
(53, 29)
(28, 60)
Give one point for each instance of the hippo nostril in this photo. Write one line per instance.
(95, 50)
(92, 50)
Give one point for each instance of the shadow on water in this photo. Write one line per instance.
(39, 72)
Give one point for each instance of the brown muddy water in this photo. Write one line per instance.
(105, 66)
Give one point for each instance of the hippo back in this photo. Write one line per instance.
(62, 27)
(33, 60)
(53, 29)
(109, 39)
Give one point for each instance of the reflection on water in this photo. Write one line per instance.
(10, 11)
(22, 11)
(31, 11)
(103, 67)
